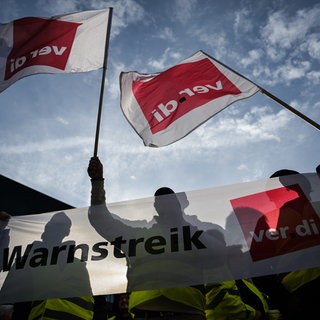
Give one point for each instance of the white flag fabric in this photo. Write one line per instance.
(60, 44)
(165, 107)
(211, 235)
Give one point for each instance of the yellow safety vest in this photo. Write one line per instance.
(191, 297)
(63, 309)
(225, 303)
(295, 279)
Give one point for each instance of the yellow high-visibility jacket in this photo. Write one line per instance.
(295, 279)
(61, 309)
(182, 299)
(224, 301)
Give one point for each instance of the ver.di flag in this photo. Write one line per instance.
(61, 44)
(165, 107)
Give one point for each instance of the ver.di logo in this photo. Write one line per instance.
(187, 86)
(276, 222)
(40, 42)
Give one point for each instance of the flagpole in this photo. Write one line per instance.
(287, 106)
(267, 93)
(95, 153)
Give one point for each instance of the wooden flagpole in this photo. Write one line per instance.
(106, 50)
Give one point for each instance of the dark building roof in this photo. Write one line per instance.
(18, 199)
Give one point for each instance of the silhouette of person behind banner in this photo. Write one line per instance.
(297, 218)
(296, 221)
(280, 220)
(169, 253)
(4, 234)
(50, 269)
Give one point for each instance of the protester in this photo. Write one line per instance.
(187, 302)
(121, 307)
(301, 284)
(7, 309)
(239, 299)
(293, 293)
(55, 231)
(58, 309)
(61, 309)
(20, 310)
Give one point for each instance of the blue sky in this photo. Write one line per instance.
(47, 122)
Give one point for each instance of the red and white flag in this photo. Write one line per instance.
(165, 107)
(60, 44)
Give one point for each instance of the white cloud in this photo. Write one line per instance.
(126, 12)
(113, 79)
(62, 120)
(314, 76)
(253, 56)
(166, 60)
(255, 126)
(292, 70)
(242, 21)
(283, 33)
(166, 33)
(275, 74)
(216, 41)
(312, 46)
(58, 7)
(184, 10)
(44, 146)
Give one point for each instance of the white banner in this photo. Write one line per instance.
(237, 231)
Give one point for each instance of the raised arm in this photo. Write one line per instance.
(95, 172)
(99, 215)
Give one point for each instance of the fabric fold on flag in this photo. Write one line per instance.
(61, 44)
(165, 107)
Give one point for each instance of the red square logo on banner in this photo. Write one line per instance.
(38, 41)
(277, 222)
(180, 89)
